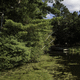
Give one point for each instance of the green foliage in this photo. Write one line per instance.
(20, 44)
(39, 31)
(34, 37)
(49, 68)
(62, 8)
(14, 29)
(36, 21)
(13, 53)
(66, 29)
(74, 50)
(35, 53)
(24, 11)
(11, 28)
(53, 10)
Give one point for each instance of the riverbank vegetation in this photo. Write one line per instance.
(48, 68)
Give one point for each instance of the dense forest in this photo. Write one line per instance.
(26, 35)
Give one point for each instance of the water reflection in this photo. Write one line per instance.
(65, 52)
(72, 61)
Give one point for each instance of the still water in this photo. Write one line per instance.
(69, 60)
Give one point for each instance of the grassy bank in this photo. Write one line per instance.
(74, 50)
(48, 68)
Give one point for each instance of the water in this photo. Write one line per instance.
(69, 60)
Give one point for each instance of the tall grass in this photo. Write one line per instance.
(47, 68)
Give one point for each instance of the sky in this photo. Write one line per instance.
(72, 5)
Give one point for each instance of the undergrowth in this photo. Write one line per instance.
(47, 68)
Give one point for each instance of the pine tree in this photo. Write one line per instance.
(25, 10)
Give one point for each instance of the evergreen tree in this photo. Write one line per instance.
(25, 10)
(63, 10)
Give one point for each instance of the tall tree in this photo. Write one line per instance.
(58, 6)
(25, 10)
(22, 11)
(68, 30)
(63, 9)
(52, 1)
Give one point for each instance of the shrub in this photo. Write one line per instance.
(14, 29)
(36, 52)
(13, 53)
(11, 27)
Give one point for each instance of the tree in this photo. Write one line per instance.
(58, 8)
(52, 1)
(12, 10)
(63, 10)
(23, 11)
(67, 29)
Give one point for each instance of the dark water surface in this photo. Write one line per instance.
(69, 60)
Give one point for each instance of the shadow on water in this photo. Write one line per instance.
(71, 61)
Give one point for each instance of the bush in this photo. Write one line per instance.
(20, 44)
(36, 52)
(11, 27)
(13, 53)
